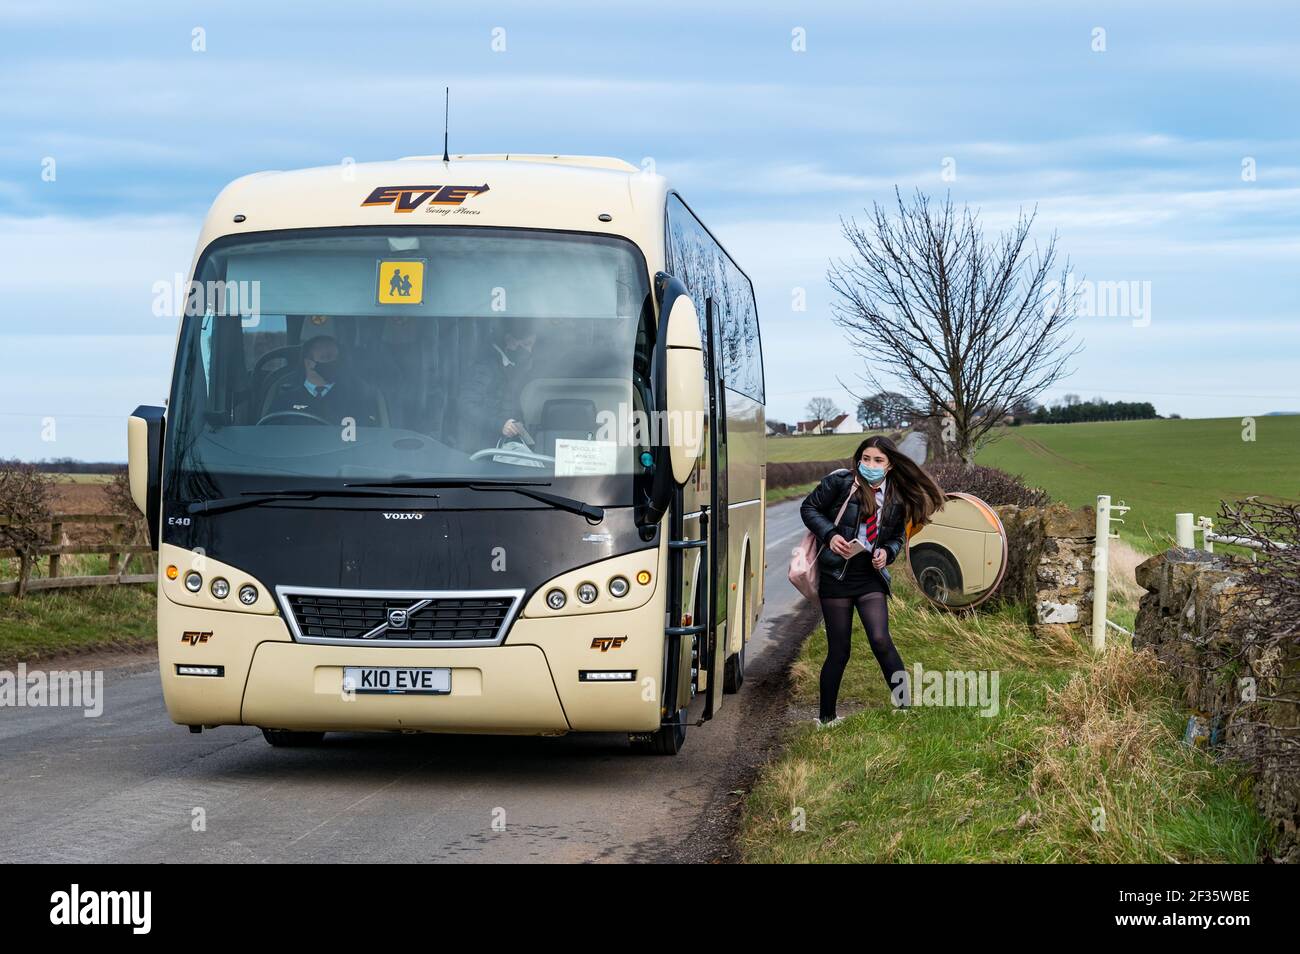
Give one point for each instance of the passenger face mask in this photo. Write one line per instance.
(872, 475)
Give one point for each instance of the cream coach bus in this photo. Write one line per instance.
(404, 485)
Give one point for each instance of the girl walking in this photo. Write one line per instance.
(886, 491)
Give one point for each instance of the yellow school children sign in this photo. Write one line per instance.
(401, 282)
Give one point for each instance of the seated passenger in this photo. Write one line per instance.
(325, 391)
(492, 384)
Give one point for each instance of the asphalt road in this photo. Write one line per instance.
(914, 446)
(130, 786)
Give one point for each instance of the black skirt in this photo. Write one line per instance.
(859, 577)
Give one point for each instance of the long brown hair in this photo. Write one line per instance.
(907, 482)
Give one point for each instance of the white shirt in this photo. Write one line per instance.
(311, 388)
(862, 527)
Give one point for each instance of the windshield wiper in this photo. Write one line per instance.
(252, 498)
(524, 487)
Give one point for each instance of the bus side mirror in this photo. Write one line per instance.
(679, 394)
(144, 447)
(685, 391)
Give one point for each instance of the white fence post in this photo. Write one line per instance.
(1205, 527)
(1100, 562)
(1184, 535)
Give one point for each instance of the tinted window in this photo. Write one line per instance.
(706, 270)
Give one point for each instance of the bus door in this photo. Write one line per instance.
(713, 650)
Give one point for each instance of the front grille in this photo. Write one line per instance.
(433, 618)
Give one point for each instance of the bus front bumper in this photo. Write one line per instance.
(531, 685)
(294, 686)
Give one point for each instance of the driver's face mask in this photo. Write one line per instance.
(327, 370)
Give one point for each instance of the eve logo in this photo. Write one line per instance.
(606, 643)
(410, 198)
(194, 637)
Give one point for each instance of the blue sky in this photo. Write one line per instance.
(1134, 155)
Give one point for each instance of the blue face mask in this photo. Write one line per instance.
(872, 475)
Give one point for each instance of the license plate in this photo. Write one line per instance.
(396, 681)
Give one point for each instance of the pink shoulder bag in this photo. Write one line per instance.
(803, 559)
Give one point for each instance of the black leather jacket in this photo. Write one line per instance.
(818, 513)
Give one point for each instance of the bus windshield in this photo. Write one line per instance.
(326, 357)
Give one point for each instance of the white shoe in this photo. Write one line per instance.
(829, 725)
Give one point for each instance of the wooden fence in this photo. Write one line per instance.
(119, 551)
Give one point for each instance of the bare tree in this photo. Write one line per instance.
(822, 409)
(24, 514)
(968, 326)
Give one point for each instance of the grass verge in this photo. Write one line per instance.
(1082, 762)
(51, 623)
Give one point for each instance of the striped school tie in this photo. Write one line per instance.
(871, 528)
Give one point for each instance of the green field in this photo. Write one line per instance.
(1158, 467)
(83, 478)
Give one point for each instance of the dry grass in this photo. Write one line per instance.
(1083, 763)
(1122, 579)
(1107, 770)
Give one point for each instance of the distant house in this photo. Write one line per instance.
(842, 425)
(778, 429)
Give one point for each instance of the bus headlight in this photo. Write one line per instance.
(248, 594)
(220, 588)
(586, 592)
(556, 599)
(618, 586)
(193, 582)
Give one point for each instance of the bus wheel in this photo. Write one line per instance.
(937, 574)
(668, 739)
(284, 738)
(733, 677)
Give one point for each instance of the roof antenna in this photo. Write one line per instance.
(446, 114)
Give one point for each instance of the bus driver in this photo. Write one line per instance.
(326, 391)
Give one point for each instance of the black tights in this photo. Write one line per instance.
(838, 612)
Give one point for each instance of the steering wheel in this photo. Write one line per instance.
(510, 452)
(283, 415)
